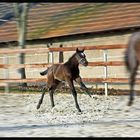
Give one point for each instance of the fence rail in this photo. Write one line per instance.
(109, 63)
(104, 63)
(96, 80)
(38, 50)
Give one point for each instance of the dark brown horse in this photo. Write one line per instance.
(68, 72)
(132, 61)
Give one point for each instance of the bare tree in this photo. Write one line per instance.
(21, 14)
(61, 57)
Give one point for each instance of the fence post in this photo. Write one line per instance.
(105, 72)
(51, 58)
(6, 73)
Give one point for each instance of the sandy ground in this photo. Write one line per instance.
(102, 117)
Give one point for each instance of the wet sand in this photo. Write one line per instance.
(101, 117)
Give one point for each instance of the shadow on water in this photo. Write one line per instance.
(34, 126)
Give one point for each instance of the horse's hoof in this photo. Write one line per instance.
(79, 113)
(79, 110)
(90, 96)
(94, 97)
(130, 103)
(38, 106)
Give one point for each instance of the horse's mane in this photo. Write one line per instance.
(70, 59)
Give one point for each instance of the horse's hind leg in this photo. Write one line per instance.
(51, 91)
(41, 99)
(132, 83)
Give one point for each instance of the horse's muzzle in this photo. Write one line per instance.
(83, 62)
(86, 63)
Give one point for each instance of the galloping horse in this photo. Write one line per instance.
(132, 61)
(68, 72)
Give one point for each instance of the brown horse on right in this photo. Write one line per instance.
(132, 61)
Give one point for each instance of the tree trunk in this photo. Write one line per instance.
(61, 57)
(21, 16)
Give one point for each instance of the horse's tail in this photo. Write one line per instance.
(126, 60)
(44, 72)
(130, 58)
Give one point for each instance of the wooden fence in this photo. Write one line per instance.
(105, 63)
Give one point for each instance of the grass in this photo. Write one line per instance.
(36, 90)
(64, 90)
(19, 90)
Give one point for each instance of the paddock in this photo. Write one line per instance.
(105, 116)
(103, 31)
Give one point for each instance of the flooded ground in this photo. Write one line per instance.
(100, 117)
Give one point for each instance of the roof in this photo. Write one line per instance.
(48, 20)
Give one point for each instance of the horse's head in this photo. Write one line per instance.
(81, 57)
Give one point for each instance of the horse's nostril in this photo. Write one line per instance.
(85, 63)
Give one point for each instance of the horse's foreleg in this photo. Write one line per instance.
(74, 93)
(82, 85)
(41, 99)
(132, 83)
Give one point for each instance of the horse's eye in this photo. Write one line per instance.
(82, 55)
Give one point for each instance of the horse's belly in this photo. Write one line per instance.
(59, 78)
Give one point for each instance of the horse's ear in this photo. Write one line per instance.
(83, 50)
(77, 50)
